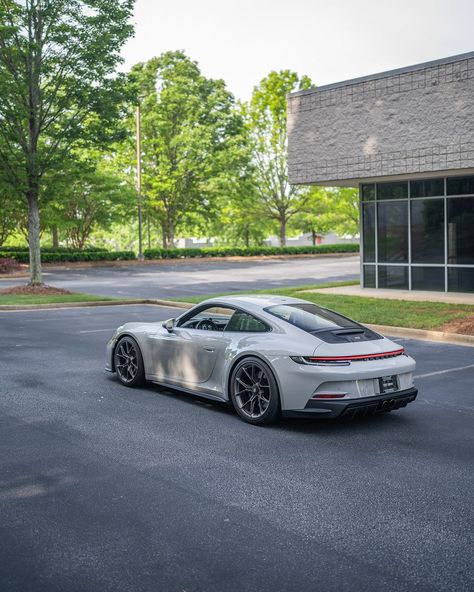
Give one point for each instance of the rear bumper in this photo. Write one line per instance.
(351, 408)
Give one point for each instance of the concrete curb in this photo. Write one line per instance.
(25, 307)
(424, 335)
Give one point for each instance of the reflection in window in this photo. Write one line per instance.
(461, 230)
(461, 279)
(392, 190)
(368, 217)
(392, 232)
(391, 276)
(369, 276)
(427, 278)
(427, 231)
(427, 188)
(460, 185)
(368, 192)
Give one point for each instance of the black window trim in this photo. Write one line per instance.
(186, 316)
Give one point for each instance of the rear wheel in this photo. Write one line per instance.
(128, 362)
(254, 392)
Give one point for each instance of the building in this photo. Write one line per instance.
(406, 138)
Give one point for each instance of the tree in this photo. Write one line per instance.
(266, 116)
(57, 89)
(329, 209)
(314, 217)
(88, 195)
(191, 140)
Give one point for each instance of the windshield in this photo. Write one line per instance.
(311, 318)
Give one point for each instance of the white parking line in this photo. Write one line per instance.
(95, 330)
(444, 371)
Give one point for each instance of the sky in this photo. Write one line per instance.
(329, 40)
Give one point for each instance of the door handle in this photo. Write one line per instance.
(209, 349)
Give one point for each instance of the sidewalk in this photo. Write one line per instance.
(415, 295)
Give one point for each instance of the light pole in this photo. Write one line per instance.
(139, 182)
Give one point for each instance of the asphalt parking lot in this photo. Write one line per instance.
(104, 488)
(191, 278)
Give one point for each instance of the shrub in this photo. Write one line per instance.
(7, 265)
(248, 251)
(53, 249)
(53, 257)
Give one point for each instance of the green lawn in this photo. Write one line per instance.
(379, 311)
(50, 299)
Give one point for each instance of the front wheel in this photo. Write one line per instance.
(254, 392)
(128, 362)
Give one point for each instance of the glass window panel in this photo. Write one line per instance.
(392, 190)
(369, 276)
(461, 279)
(460, 185)
(461, 230)
(391, 276)
(427, 231)
(427, 278)
(368, 192)
(427, 188)
(392, 232)
(243, 322)
(368, 216)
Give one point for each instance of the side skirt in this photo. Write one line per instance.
(190, 391)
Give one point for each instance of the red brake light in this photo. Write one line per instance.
(391, 354)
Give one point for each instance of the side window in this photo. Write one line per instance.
(243, 322)
(212, 318)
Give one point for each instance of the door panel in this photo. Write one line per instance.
(185, 356)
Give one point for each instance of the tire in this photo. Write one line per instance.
(128, 362)
(254, 392)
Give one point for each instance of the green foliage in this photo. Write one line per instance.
(275, 199)
(58, 89)
(87, 195)
(191, 141)
(329, 209)
(70, 255)
(248, 251)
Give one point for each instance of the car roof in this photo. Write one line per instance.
(255, 301)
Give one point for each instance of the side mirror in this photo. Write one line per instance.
(169, 325)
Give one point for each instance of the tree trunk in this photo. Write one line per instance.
(313, 237)
(282, 232)
(247, 237)
(34, 238)
(54, 232)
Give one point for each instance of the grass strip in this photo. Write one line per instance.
(378, 311)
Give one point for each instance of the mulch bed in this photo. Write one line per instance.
(42, 289)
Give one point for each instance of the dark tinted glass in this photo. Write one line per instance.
(427, 278)
(427, 231)
(461, 279)
(393, 232)
(461, 230)
(310, 317)
(393, 277)
(392, 190)
(368, 216)
(460, 185)
(368, 192)
(242, 322)
(427, 188)
(369, 276)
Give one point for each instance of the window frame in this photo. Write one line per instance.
(188, 316)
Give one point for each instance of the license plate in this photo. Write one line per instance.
(388, 384)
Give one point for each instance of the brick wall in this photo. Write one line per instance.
(410, 122)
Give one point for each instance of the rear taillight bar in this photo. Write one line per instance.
(344, 360)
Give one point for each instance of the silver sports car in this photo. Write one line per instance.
(267, 355)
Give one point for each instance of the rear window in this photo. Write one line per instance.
(311, 317)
